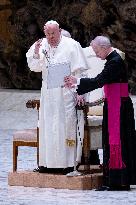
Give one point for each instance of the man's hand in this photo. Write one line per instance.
(70, 81)
(80, 100)
(37, 46)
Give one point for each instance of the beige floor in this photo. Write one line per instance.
(14, 115)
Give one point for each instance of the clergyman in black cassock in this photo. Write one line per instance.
(118, 128)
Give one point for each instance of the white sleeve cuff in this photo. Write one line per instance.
(78, 81)
(76, 85)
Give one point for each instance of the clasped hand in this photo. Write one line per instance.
(80, 100)
(70, 81)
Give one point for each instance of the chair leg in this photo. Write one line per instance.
(38, 156)
(86, 148)
(15, 154)
(37, 146)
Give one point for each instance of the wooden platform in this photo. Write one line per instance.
(58, 181)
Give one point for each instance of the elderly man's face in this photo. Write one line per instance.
(52, 33)
(100, 52)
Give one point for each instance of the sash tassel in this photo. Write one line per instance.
(116, 161)
(113, 93)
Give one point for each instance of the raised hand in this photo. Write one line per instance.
(37, 46)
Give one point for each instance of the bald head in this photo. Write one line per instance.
(101, 46)
(101, 41)
(52, 33)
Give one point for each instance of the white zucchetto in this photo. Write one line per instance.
(51, 22)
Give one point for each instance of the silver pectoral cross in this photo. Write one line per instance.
(46, 55)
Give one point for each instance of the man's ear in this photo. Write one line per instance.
(60, 30)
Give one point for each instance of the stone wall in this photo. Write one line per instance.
(22, 24)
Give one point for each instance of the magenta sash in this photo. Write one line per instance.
(113, 94)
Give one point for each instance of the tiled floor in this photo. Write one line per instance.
(13, 117)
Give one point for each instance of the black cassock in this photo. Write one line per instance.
(115, 72)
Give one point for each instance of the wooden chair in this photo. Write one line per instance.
(26, 137)
(86, 141)
(30, 137)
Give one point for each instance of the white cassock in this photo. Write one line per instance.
(57, 123)
(95, 65)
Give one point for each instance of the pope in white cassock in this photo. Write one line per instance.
(57, 123)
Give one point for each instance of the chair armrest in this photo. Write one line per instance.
(85, 108)
(97, 102)
(33, 104)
